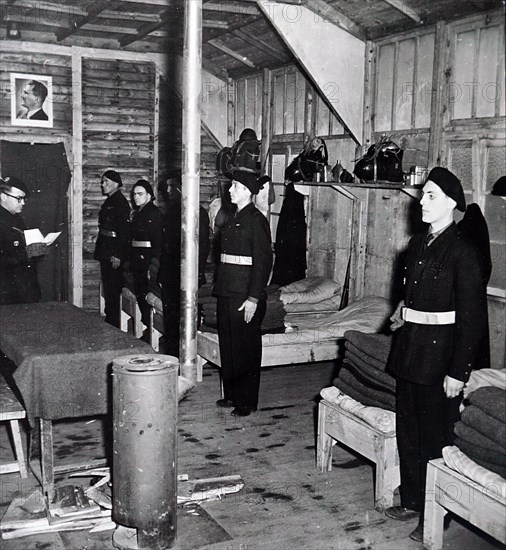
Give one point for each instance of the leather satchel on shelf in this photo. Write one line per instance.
(382, 162)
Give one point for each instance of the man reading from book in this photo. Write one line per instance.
(18, 271)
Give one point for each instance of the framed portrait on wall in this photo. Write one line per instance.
(31, 100)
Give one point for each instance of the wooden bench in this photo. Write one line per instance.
(12, 411)
(448, 491)
(336, 424)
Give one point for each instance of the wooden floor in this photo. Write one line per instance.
(285, 503)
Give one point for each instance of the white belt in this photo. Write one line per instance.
(237, 260)
(108, 233)
(428, 317)
(141, 244)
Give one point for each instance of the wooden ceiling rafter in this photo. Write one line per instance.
(262, 46)
(76, 24)
(219, 46)
(405, 9)
(328, 13)
(227, 7)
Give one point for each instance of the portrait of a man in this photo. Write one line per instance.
(31, 101)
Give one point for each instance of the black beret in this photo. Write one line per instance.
(499, 188)
(113, 176)
(248, 179)
(450, 184)
(146, 185)
(12, 181)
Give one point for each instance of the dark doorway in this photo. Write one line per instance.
(45, 170)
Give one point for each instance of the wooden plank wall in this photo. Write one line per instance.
(170, 145)
(59, 67)
(118, 109)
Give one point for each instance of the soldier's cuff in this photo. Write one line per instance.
(254, 300)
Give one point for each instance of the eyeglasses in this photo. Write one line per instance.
(19, 199)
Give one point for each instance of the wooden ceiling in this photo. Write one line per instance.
(237, 37)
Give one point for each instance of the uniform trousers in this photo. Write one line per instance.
(112, 283)
(425, 418)
(240, 351)
(141, 283)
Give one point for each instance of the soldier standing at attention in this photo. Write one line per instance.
(243, 273)
(113, 243)
(439, 328)
(147, 243)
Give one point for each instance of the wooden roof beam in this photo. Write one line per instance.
(264, 47)
(76, 24)
(218, 45)
(330, 14)
(148, 28)
(405, 9)
(226, 7)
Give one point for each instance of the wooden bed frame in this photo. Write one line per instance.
(337, 425)
(449, 491)
(273, 353)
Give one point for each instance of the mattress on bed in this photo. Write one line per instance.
(367, 315)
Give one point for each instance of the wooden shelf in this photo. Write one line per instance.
(346, 188)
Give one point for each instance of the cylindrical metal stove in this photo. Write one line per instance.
(144, 476)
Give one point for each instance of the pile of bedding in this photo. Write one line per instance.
(481, 432)
(310, 295)
(362, 374)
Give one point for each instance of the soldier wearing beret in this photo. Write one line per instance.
(113, 243)
(439, 327)
(242, 276)
(147, 243)
(18, 271)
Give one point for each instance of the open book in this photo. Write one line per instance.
(35, 236)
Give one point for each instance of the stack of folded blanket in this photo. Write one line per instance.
(274, 315)
(362, 375)
(481, 434)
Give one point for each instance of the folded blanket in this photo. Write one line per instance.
(353, 392)
(456, 460)
(376, 346)
(378, 418)
(485, 377)
(487, 425)
(476, 438)
(309, 290)
(366, 380)
(329, 304)
(492, 400)
(372, 361)
(377, 375)
(479, 453)
(375, 397)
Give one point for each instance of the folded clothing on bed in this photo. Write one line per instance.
(273, 322)
(369, 395)
(487, 425)
(485, 377)
(370, 377)
(479, 440)
(491, 400)
(376, 346)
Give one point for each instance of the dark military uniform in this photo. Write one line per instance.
(246, 238)
(147, 242)
(113, 240)
(18, 273)
(445, 276)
